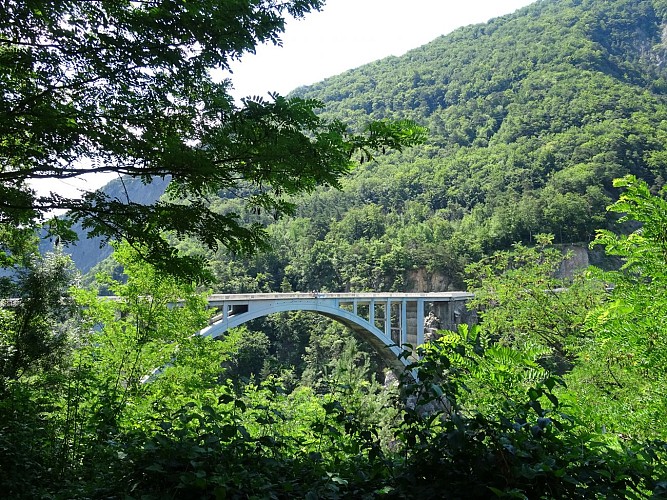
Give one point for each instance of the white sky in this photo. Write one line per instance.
(344, 35)
(349, 33)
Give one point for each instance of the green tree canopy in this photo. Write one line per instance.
(127, 87)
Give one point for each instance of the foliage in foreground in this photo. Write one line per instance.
(256, 441)
(509, 434)
(625, 363)
(485, 415)
(524, 303)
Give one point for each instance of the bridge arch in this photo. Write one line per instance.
(387, 349)
(402, 315)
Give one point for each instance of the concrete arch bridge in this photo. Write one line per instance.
(386, 321)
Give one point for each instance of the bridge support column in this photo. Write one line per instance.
(387, 319)
(371, 312)
(404, 322)
(420, 321)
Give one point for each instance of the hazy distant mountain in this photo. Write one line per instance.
(87, 252)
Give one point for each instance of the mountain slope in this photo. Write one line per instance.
(538, 110)
(531, 117)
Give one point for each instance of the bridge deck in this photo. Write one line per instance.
(428, 297)
(388, 320)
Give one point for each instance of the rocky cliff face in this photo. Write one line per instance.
(421, 280)
(578, 260)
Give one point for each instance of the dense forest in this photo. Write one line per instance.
(546, 133)
(530, 119)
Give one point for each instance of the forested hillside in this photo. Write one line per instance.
(546, 126)
(531, 116)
